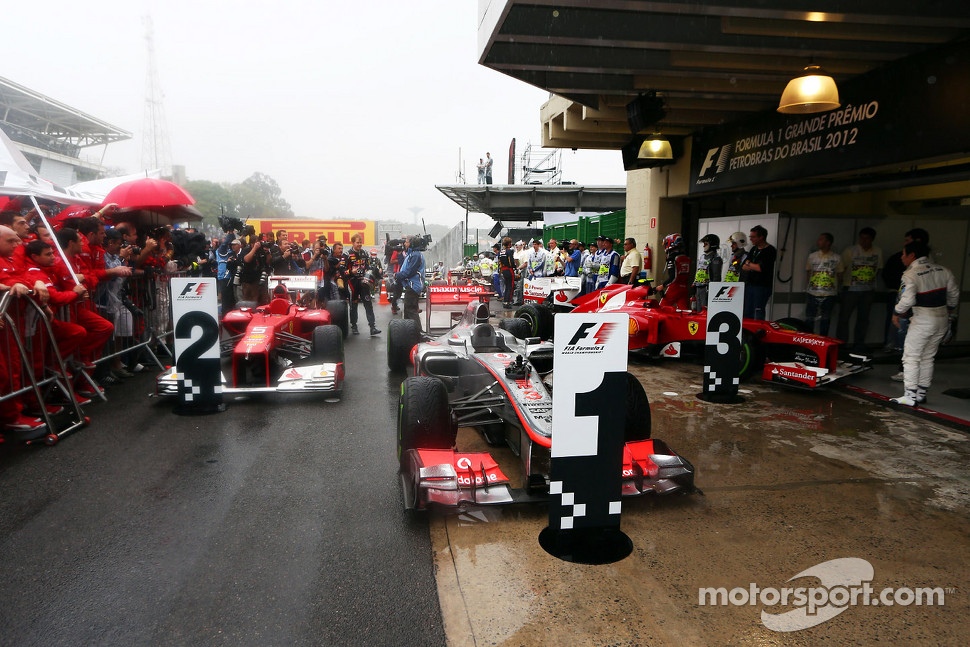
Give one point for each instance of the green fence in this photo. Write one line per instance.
(587, 228)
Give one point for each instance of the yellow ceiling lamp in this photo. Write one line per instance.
(812, 91)
(656, 148)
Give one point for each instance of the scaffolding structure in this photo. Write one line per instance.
(541, 165)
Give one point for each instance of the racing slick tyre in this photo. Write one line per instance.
(519, 328)
(424, 419)
(539, 319)
(339, 315)
(402, 335)
(638, 424)
(327, 345)
(751, 358)
(793, 324)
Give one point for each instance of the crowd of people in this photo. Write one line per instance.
(80, 285)
(95, 280)
(83, 278)
(244, 261)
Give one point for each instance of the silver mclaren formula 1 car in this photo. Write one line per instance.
(499, 380)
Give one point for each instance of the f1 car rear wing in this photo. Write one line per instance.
(445, 304)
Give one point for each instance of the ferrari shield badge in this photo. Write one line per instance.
(692, 327)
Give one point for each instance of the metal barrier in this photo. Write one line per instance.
(35, 371)
(33, 365)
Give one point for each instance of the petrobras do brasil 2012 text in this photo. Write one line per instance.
(831, 130)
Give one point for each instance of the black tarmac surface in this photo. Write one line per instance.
(278, 522)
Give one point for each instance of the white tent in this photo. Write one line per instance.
(18, 178)
(98, 189)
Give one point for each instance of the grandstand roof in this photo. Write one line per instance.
(35, 120)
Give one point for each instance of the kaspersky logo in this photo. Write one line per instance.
(726, 293)
(716, 160)
(590, 338)
(192, 291)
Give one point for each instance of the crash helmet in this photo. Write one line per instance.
(739, 239)
(673, 242)
(712, 240)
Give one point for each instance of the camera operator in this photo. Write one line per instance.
(256, 266)
(358, 263)
(286, 256)
(228, 260)
(411, 277)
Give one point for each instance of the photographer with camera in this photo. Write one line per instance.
(319, 266)
(362, 279)
(286, 256)
(256, 266)
(411, 277)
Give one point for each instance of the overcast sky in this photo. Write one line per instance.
(356, 111)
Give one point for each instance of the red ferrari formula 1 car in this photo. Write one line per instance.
(780, 350)
(498, 381)
(280, 347)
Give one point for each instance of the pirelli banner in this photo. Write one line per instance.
(336, 231)
(910, 110)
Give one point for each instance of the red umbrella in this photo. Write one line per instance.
(148, 193)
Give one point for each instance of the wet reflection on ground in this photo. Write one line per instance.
(791, 479)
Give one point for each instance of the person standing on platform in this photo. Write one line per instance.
(708, 269)
(862, 263)
(739, 253)
(824, 268)
(929, 297)
(758, 274)
(488, 168)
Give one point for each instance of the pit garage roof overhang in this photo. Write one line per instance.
(711, 63)
(42, 123)
(523, 203)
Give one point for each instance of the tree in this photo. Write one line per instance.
(259, 196)
(212, 199)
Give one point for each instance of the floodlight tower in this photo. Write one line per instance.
(156, 150)
(415, 211)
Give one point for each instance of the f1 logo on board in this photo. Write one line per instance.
(718, 157)
(192, 291)
(725, 294)
(590, 338)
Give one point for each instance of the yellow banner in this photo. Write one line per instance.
(336, 231)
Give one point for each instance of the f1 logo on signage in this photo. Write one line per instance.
(193, 291)
(590, 337)
(718, 157)
(725, 293)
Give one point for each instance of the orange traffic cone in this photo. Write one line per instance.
(383, 298)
